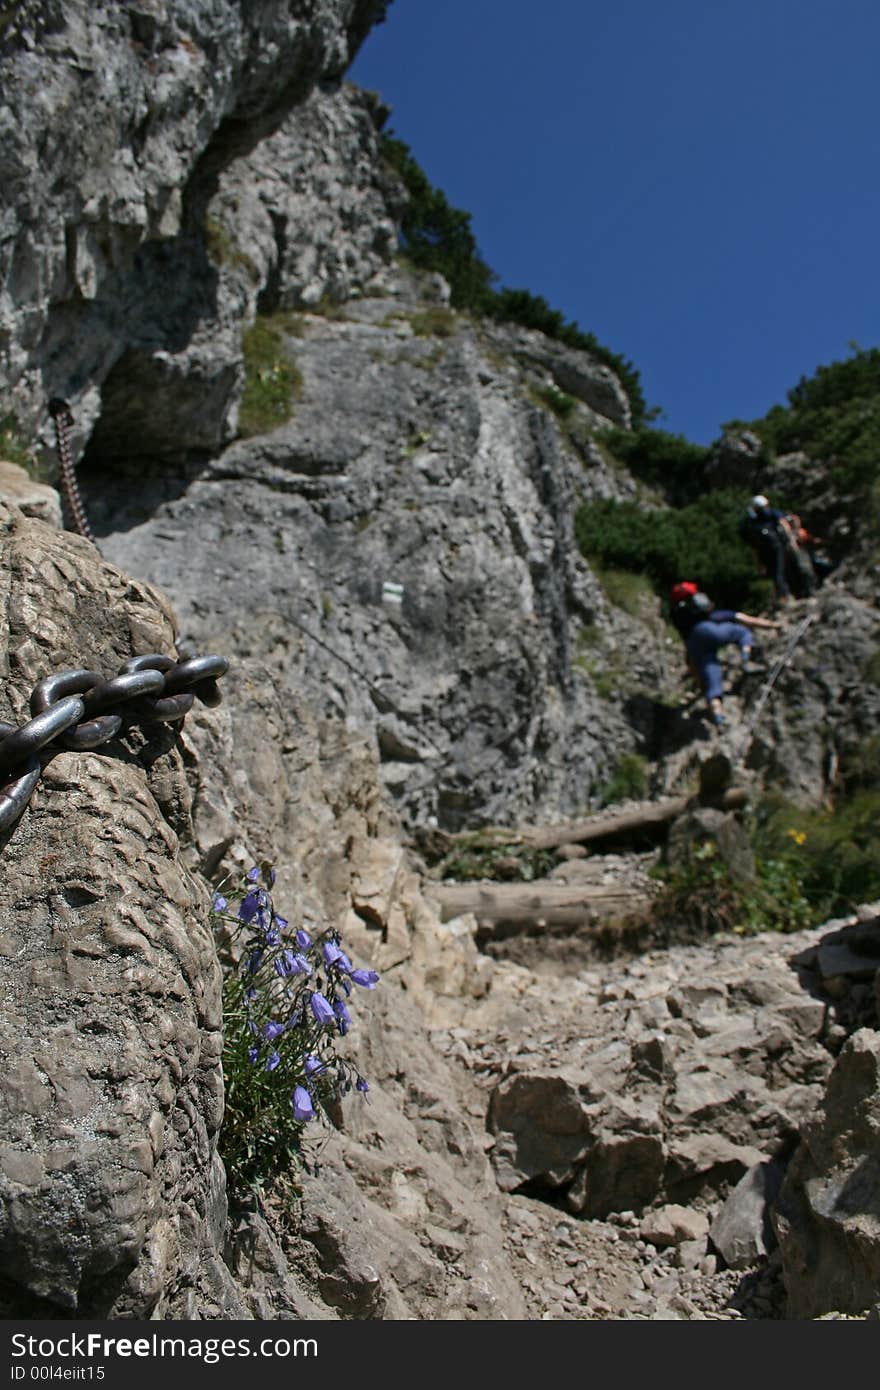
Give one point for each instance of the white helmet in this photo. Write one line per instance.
(760, 501)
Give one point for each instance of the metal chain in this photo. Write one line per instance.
(79, 710)
(63, 419)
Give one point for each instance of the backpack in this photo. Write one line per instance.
(753, 527)
(684, 616)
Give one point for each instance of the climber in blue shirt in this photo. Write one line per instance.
(706, 629)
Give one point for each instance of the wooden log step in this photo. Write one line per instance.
(543, 903)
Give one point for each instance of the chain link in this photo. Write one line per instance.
(78, 709)
(62, 417)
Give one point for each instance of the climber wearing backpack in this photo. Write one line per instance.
(771, 534)
(705, 630)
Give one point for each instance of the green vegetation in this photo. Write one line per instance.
(436, 322)
(272, 380)
(606, 681)
(626, 589)
(628, 782)
(284, 1009)
(477, 857)
(704, 895)
(668, 462)
(437, 236)
(698, 541)
(222, 250)
(558, 401)
(811, 864)
(871, 672)
(834, 852)
(13, 447)
(835, 416)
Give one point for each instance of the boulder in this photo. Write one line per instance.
(827, 1215)
(674, 1225)
(742, 1232)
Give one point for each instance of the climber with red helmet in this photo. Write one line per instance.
(705, 630)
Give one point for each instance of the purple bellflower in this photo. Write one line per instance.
(367, 979)
(302, 1104)
(249, 907)
(321, 1009)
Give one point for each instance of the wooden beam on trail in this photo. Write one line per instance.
(542, 903)
(646, 816)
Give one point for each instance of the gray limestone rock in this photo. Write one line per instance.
(410, 469)
(827, 1217)
(116, 123)
(35, 499)
(112, 1093)
(742, 1231)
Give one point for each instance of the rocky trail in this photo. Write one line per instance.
(633, 1104)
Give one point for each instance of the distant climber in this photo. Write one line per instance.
(815, 548)
(705, 630)
(773, 535)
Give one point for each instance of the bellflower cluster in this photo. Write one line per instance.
(285, 1010)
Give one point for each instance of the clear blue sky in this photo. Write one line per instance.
(697, 182)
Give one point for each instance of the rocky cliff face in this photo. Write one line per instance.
(118, 122)
(414, 641)
(403, 545)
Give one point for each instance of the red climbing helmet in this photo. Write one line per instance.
(682, 591)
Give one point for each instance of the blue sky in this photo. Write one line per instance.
(696, 183)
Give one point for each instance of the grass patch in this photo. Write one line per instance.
(435, 322)
(417, 440)
(628, 782)
(558, 401)
(604, 678)
(15, 450)
(223, 251)
(428, 360)
(590, 635)
(626, 589)
(272, 380)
